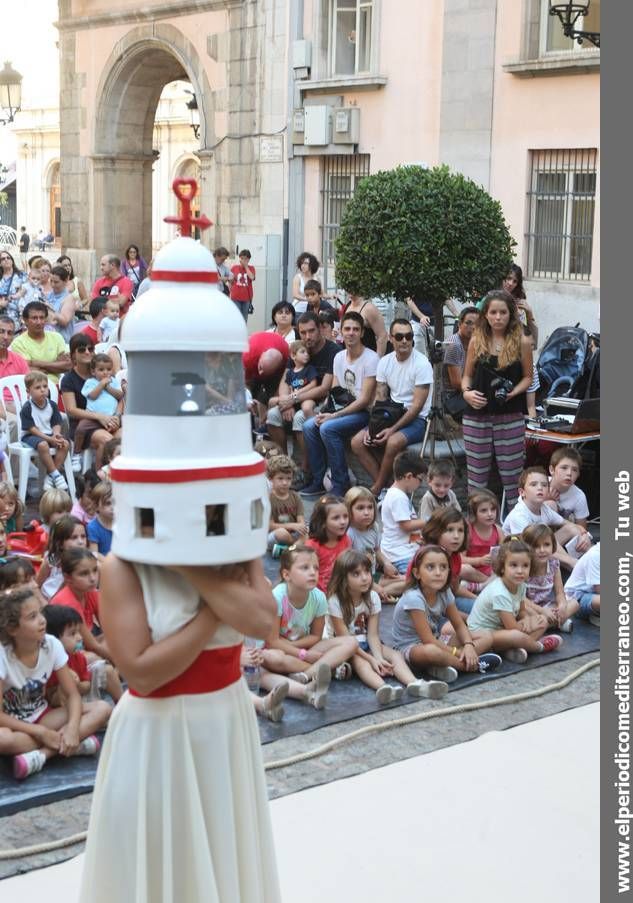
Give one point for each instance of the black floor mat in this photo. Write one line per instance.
(65, 778)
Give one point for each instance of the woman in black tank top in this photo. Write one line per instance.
(497, 373)
(375, 333)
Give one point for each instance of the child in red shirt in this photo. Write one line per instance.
(81, 575)
(328, 535)
(65, 623)
(242, 283)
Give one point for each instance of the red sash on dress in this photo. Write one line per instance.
(214, 669)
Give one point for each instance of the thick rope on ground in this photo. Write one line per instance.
(347, 738)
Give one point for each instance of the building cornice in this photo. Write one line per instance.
(569, 64)
(164, 10)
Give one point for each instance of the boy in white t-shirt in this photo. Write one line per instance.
(584, 585)
(531, 509)
(401, 529)
(564, 496)
(108, 328)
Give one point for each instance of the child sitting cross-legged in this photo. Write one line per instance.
(364, 533)
(545, 585)
(65, 623)
(400, 526)
(532, 509)
(501, 607)
(30, 731)
(287, 520)
(66, 533)
(418, 620)
(440, 479)
(354, 610)
(41, 428)
(81, 575)
(484, 532)
(296, 646)
(584, 585)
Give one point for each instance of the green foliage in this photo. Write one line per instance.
(4, 199)
(427, 233)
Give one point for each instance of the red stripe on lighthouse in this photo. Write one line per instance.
(128, 475)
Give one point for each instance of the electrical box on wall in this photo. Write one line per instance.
(301, 54)
(298, 125)
(317, 125)
(346, 125)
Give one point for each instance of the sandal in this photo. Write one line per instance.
(319, 686)
(273, 708)
(300, 676)
(343, 672)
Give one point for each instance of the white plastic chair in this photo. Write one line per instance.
(17, 389)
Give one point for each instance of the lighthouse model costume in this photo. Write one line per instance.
(180, 811)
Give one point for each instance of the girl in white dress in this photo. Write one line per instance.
(180, 810)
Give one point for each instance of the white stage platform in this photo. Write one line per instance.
(464, 821)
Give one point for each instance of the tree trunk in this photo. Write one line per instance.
(438, 314)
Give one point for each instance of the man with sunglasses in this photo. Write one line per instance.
(404, 376)
(106, 426)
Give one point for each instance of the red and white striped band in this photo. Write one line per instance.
(183, 475)
(183, 276)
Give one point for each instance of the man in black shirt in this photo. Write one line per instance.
(282, 415)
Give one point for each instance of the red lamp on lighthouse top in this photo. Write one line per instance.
(188, 487)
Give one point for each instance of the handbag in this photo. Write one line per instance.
(339, 397)
(383, 415)
(455, 404)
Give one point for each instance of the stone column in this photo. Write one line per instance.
(121, 202)
(208, 197)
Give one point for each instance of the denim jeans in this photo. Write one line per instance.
(326, 445)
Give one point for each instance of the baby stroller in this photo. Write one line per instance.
(563, 361)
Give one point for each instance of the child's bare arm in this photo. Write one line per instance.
(509, 621)
(423, 629)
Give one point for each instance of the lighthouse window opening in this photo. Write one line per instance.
(257, 514)
(215, 518)
(185, 383)
(144, 522)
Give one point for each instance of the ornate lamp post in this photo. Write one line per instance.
(10, 93)
(569, 13)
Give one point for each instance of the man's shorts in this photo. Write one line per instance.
(274, 418)
(414, 432)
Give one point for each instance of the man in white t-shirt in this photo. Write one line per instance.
(404, 376)
(354, 369)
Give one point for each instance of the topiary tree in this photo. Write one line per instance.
(426, 233)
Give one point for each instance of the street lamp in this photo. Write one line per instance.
(192, 106)
(10, 92)
(569, 13)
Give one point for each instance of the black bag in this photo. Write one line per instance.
(455, 405)
(383, 415)
(339, 398)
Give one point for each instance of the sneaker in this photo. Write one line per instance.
(76, 463)
(449, 674)
(319, 686)
(277, 549)
(28, 763)
(387, 694)
(88, 747)
(60, 483)
(300, 480)
(427, 689)
(300, 676)
(567, 626)
(517, 656)
(48, 482)
(551, 642)
(595, 620)
(312, 490)
(488, 662)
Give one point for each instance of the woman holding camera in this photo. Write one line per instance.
(497, 373)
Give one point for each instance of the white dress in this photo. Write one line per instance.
(180, 809)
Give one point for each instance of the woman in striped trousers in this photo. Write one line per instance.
(497, 373)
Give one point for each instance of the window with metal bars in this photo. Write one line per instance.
(561, 204)
(341, 175)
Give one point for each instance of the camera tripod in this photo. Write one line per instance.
(437, 417)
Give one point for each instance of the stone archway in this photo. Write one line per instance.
(139, 67)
